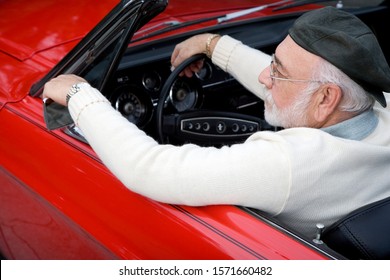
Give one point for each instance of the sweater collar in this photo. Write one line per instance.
(356, 128)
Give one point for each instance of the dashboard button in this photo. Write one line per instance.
(206, 126)
(220, 127)
(235, 128)
(189, 125)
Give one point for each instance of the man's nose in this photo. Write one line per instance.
(265, 78)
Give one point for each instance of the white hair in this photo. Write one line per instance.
(355, 99)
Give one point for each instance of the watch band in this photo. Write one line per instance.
(208, 44)
(72, 91)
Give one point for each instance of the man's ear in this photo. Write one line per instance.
(326, 102)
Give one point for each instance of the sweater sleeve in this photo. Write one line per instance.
(244, 63)
(254, 174)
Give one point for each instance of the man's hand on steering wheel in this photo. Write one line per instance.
(203, 43)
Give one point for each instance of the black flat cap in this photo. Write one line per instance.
(345, 41)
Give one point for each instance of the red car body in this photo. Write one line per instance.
(57, 199)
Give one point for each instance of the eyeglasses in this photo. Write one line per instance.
(273, 70)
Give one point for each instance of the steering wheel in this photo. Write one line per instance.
(204, 126)
(166, 89)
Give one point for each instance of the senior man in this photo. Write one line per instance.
(321, 85)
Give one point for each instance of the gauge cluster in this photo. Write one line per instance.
(137, 90)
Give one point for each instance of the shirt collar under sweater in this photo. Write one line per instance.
(356, 128)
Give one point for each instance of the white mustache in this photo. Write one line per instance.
(269, 100)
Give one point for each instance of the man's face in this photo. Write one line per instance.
(287, 102)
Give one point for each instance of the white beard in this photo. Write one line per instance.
(293, 116)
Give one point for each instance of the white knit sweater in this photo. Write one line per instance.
(301, 175)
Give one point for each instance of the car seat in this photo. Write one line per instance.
(362, 234)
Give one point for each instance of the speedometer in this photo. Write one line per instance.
(131, 104)
(183, 95)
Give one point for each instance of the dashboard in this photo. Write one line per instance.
(211, 108)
